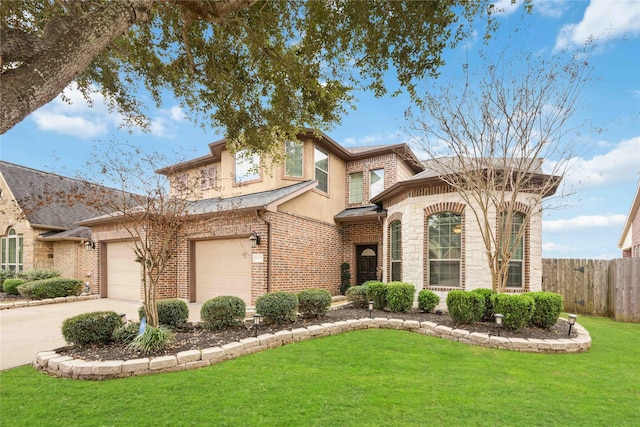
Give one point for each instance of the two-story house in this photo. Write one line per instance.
(256, 228)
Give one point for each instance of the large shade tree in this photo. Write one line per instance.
(247, 66)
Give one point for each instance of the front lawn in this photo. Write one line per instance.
(364, 378)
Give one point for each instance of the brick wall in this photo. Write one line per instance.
(388, 162)
(361, 234)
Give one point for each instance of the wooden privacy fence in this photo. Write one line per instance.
(596, 287)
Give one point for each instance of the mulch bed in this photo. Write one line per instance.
(197, 338)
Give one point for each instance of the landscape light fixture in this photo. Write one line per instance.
(89, 245)
(498, 318)
(254, 239)
(572, 321)
(257, 318)
(370, 309)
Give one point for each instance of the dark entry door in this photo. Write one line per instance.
(367, 263)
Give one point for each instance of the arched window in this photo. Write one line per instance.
(11, 245)
(445, 249)
(395, 236)
(515, 278)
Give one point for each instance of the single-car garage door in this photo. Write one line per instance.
(223, 267)
(123, 272)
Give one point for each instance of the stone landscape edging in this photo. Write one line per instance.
(67, 367)
(35, 302)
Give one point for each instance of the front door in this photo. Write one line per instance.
(367, 263)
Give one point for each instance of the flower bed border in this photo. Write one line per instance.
(67, 367)
(34, 302)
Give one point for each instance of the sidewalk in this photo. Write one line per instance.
(25, 331)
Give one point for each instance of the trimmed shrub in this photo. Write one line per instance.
(427, 300)
(345, 277)
(10, 286)
(33, 275)
(465, 308)
(173, 313)
(400, 296)
(6, 274)
(487, 316)
(377, 292)
(314, 302)
(516, 308)
(357, 295)
(548, 306)
(223, 311)
(51, 288)
(152, 339)
(126, 333)
(277, 307)
(91, 328)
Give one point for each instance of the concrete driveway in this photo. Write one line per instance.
(27, 330)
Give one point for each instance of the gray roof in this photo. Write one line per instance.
(360, 213)
(39, 196)
(263, 200)
(436, 167)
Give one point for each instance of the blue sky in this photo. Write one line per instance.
(587, 224)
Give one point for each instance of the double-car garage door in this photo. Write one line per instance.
(223, 267)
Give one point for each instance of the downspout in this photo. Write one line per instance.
(266, 221)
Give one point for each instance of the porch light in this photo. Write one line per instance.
(370, 309)
(572, 321)
(254, 239)
(257, 318)
(498, 318)
(89, 245)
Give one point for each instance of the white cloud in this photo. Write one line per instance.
(553, 247)
(620, 164)
(550, 8)
(583, 221)
(372, 139)
(505, 7)
(67, 125)
(602, 19)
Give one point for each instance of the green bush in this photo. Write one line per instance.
(548, 306)
(223, 311)
(33, 275)
(516, 308)
(6, 274)
(377, 292)
(357, 295)
(10, 286)
(465, 308)
(277, 307)
(91, 328)
(51, 288)
(400, 296)
(126, 333)
(487, 316)
(173, 313)
(427, 300)
(314, 302)
(345, 278)
(152, 339)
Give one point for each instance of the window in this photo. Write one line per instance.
(376, 182)
(445, 249)
(11, 245)
(294, 153)
(395, 230)
(515, 277)
(355, 187)
(247, 167)
(181, 183)
(208, 177)
(321, 160)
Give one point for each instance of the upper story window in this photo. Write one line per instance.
(515, 278)
(294, 161)
(209, 177)
(376, 182)
(445, 249)
(355, 187)
(247, 167)
(321, 160)
(395, 254)
(11, 245)
(181, 183)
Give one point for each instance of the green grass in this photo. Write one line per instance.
(364, 378)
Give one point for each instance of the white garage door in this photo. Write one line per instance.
(123, 272)
(223, 267)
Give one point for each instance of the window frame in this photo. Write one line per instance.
(287, 172)
(450, 236)
(395, 251)
(317, 150)
(353, 186)
(18, 251)
(517, 259)
(209, 177)
(251, 175)
(371, 184)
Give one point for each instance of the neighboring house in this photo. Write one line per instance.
(37, 234)
(256, 228)
(629, 242)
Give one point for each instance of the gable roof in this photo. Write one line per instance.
(633, 212)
